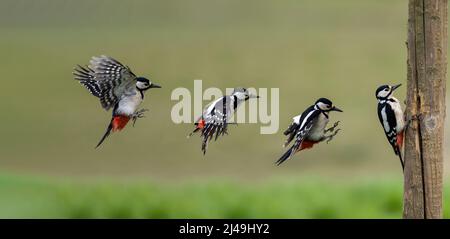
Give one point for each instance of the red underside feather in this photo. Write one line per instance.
(306, 144)
(400, 139)
(201, 124)
(119, 122)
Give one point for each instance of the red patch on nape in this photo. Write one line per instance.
(201, 124)
(400, 139)
(119, 122)
(306, 144)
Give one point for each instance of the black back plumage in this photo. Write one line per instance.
(391, 133)
(299, 131)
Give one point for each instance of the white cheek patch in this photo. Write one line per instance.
(240, 95)
(322, 106)
(383, 94)
(139, 84)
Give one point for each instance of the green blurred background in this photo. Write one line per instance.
(308, 49)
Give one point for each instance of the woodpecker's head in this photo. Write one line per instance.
(383, 92)
(144, 84)
(243, 94)
(326, 105)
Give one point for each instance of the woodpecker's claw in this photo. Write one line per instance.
(413, 117)
(138, 114)
(331, 136)
(331, 129)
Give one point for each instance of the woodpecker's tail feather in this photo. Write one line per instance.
(207, 134)
(284, 157)
(290, 129)
(399, 153)
(398, 148)
(204, 145)
(289, 140)
(108, 131)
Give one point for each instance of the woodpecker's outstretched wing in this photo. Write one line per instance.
(299, 129)
(86, 76)
(107, 79)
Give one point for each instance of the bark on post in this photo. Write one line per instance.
(426, 86)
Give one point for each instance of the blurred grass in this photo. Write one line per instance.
(28, 197)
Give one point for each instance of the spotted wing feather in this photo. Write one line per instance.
(216, 119)
(85, 75)
(107, 79)
(114, 79)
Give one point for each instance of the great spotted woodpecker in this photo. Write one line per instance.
(308, 128)
(216, 116)
(117, 87)
(391, 117)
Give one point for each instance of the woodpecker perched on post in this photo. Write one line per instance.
(391, 117)
(216, 116)
(117, 87)
(308, 128)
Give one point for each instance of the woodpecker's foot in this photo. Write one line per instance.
(138, 114)
(330, 137)
(411, 118)
(331, 129)
(414, 117)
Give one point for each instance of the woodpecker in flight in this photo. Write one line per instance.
(391, 117)
(117, 87)
(308, 128)
(216, 116)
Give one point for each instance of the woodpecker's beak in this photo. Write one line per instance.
(253, 96)
(336, 109)
(155, 86)
(394, 87)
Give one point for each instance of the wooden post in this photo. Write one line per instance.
(426, 83)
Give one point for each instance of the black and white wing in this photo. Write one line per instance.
(215, 118)
(86, 76)
(296, 124)
(300, 131)
(107, 79)
(291, 132)
(387, 118)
